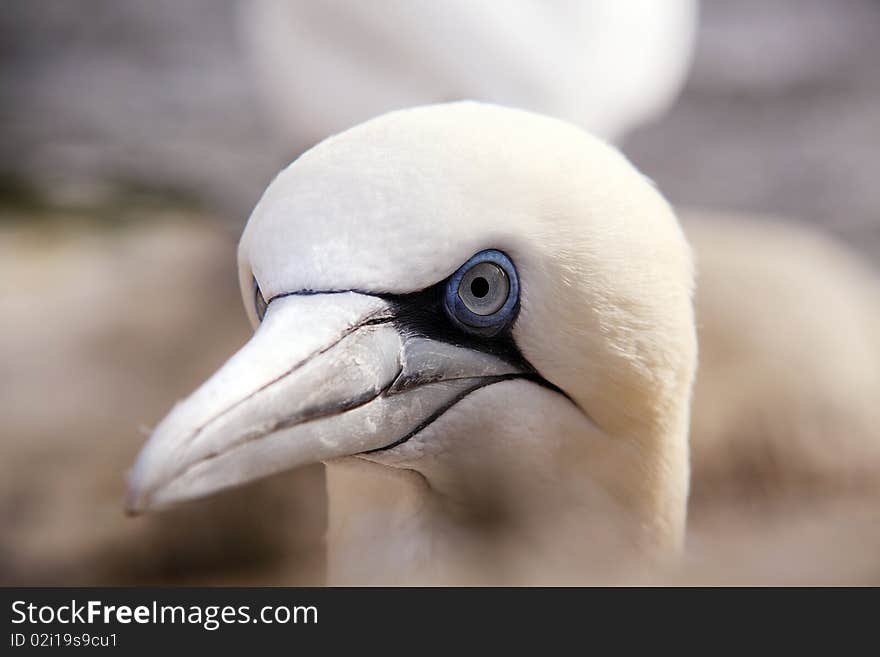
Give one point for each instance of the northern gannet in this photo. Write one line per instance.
(476, 317)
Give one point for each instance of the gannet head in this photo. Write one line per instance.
(450, 289)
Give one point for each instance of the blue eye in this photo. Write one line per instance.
(482, 297)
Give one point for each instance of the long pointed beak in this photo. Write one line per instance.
(324, 376)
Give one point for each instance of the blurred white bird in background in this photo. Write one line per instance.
(605, 65)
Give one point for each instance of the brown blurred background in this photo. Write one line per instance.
(132, 149)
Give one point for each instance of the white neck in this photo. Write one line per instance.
(540, 497)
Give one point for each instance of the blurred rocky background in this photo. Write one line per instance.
(133, 143)
(780, 115)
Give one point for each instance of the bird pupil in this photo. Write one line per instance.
(479, 287)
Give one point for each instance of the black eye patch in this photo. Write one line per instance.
(422, 314)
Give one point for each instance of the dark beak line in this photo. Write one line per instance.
(480, 382)
(310, 414)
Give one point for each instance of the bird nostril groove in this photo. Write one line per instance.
(479, 287)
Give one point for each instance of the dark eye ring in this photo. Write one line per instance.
(482, 296)
(259, 301)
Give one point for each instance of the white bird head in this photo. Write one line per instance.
(490, 298)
